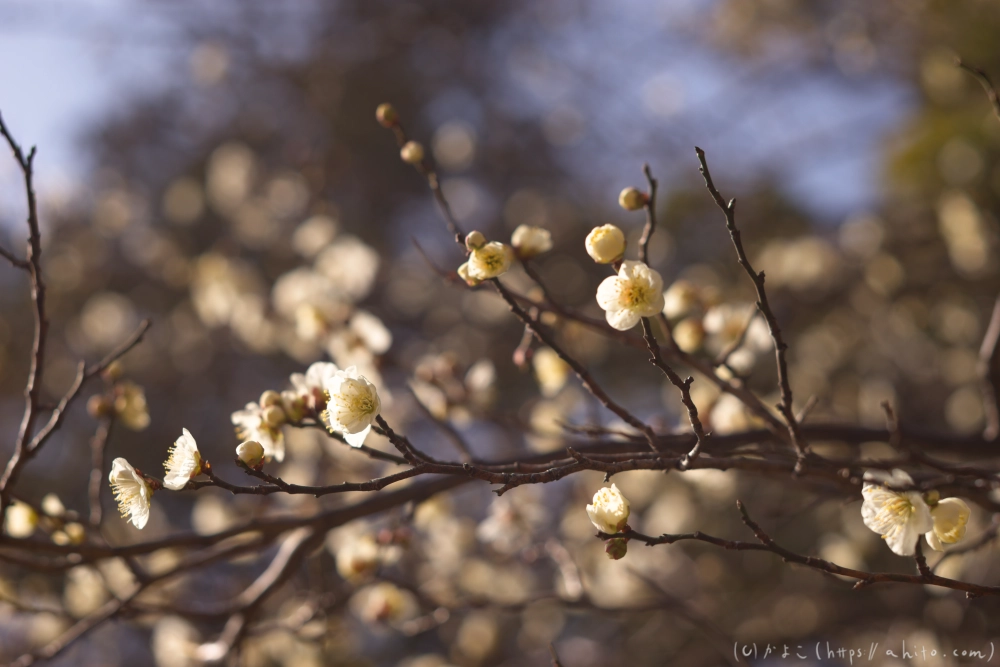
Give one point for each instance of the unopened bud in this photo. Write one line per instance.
(386, 115)
(251, 453)
(274, 416)
(631, 199)
(113, 371)
(269, 398)
(616, 548)
(99, 406)
(474, 240)
(412, 152)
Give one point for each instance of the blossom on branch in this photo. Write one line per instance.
(531, 241)
(183, 463)
(251, 453)
(262, 422)
(352, 404)
(950, 517)
(132, 492)
(310, 386)
(610, 510)
(636, 292)
(486, 260)
(900, 517)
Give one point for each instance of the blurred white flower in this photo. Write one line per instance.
(183, 462)
(605, 244)
(263, 424)
(728, 415)
(132, 493)
(130, 406)
(950, 517)
(550, 371)
(680, 299)
(512, 520)
(20, 520)
(489, 261)
(531, 241)
(358, 559)
(250, 452)
(353, 405)
(610, 510)
(900, 517)
(351, 265)
(384, 603)
(636, 292)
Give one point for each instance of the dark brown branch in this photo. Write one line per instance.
(684, 386)
(766, 543)
(780, 347)
(647, 232)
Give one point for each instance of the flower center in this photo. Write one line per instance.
(633, 294)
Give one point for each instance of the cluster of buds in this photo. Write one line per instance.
(486, 259)
(124, 400)
(22, 520)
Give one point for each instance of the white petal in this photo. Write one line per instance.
(609, 293)
(623, 320)
(357, 439)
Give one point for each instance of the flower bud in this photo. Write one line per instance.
(20, 520)
(273, 416)
(616, 548)
(474, 240)
(114, 371)
(269, 398)
(412, 152)
(610, 510)
(605, 244)
(99, 406)
(531, 241)
(386, 115)
(251, 453)
(632, 199)
(294, 405)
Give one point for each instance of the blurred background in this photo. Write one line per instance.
(216, 167)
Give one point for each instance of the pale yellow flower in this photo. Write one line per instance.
(531, 241)
(490, 260)
(898, 516)
(610, 510)
(605, 244)
(636, 292)
(950, 517)
(132, 493)
(352, 407)
(183, 463)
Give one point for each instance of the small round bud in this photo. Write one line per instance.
(386, 115)
(113, 371)
(269, 398)
(616, 548)
(75, 532)
(605, 244)
(631, 199)
(412, 152)
(251, 453)
(99, 406)
(474, 240)
(274, 416)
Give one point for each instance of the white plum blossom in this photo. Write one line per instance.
(311, 385)
(132, 492)
(263, 424)
(900, 517)
(531, 241)
(352, 405)
(183, 463)
(950, 516)
(636, 292)
(605, 244)
(251, 453)
(609, 511)
(487, 261)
